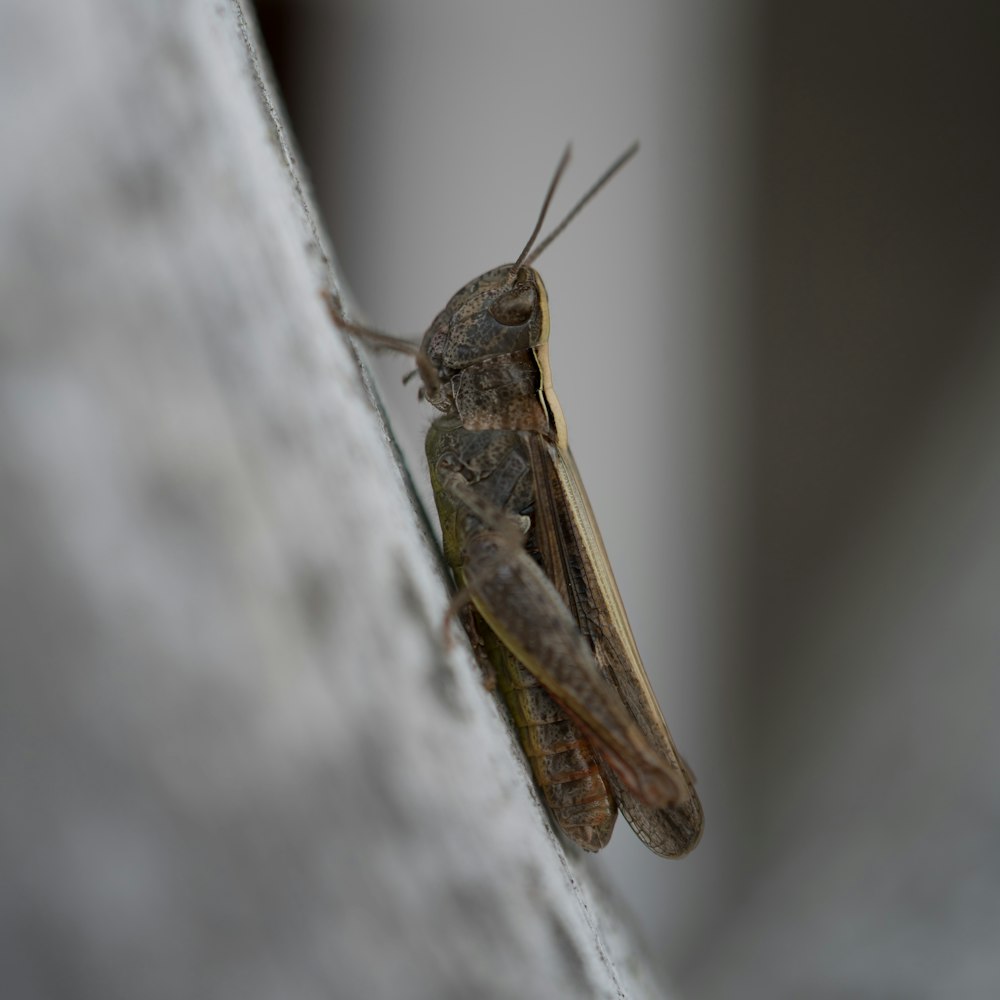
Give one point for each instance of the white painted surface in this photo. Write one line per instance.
(235, 760)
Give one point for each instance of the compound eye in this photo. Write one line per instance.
(515, 307)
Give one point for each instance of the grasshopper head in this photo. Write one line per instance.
(500, 313)
(503, 313)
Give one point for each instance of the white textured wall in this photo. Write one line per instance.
(235, 759)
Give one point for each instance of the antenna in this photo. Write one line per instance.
(553, 184)
(598, 184)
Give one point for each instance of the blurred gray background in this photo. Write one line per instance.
(775, 337)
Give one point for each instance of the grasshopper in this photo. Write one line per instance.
(535, 589)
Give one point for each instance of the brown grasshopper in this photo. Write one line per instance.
(540, 602)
